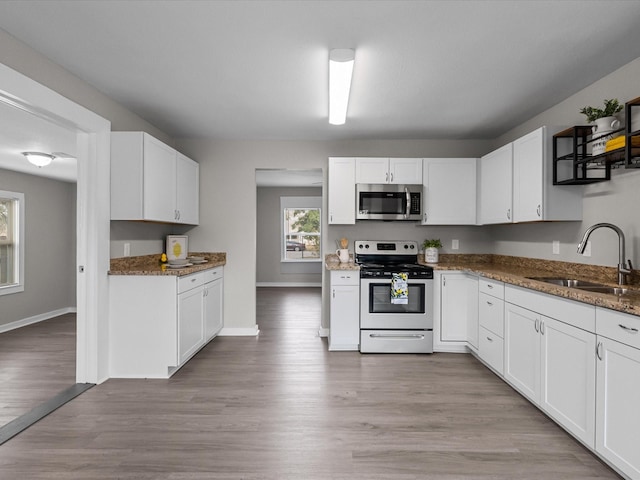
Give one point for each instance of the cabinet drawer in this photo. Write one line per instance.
(618, 326)
(351, 277)
(492, 350)
(212, 274)
(491, 287)
(491, 314)
(190, 281)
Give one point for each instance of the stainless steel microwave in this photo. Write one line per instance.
(388, 202)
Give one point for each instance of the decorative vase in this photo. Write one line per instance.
(343, 255)
(600, 133)
(431, 255)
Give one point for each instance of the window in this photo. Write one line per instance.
(301, 229)
(11, 242)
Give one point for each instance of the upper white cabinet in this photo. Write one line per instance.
(389, 170)
(449, 191)
(342, 191)
(151, 181)
(496, 186)
(535, 198)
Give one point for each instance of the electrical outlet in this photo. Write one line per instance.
(455, 244)
(556, 247)
(127, 249)
(587, 250)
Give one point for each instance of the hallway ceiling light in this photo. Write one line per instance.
(39, 159)
(341, 62)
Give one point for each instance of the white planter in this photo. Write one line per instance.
(600, 132)
(431, 255)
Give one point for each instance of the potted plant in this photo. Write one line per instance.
(605, 122)
(431, 247)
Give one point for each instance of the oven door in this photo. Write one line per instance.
(377, 311)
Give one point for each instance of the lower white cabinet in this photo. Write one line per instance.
(618, 390)
(344, 332)
(158, 322)
(456, 311)
(553, 364)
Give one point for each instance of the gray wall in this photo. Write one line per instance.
(50, 242)
(269, 268)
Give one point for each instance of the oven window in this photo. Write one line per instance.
(383, 202)
(380, 299)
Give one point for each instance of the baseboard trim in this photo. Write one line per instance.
(239, 332)
(35, 319)
(287, 284)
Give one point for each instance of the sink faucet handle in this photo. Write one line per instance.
(630, 265)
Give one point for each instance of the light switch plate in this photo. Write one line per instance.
(556, 247)
(127, 249)
(455, 244)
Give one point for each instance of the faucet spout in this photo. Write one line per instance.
(623, 271)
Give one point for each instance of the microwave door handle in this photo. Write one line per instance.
(408, 207)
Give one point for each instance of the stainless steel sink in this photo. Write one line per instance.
(582, 285)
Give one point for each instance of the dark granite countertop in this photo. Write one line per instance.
(150, 265)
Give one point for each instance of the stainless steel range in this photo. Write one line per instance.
(389, 325)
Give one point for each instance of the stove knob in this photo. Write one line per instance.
(406, 246)
(360, 246)
(412, 247)
(366, 246)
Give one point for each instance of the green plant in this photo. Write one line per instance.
(432, 243)
(611, 107)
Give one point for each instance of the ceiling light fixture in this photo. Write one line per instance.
(341, 62)
(39, 159)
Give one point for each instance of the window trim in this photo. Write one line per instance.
(19, 237)
(314, 202)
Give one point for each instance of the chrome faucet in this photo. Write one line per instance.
(623, 271)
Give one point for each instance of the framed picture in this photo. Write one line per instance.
(177, 247)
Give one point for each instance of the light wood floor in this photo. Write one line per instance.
(36, 363)
(280, 407)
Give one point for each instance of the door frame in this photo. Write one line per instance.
(93, 213)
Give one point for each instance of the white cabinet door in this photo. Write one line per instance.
(449, 191)
(568, 377)
(459, 308)
(159, 181)
(213, 308)
(372, 170)
(405, 171)
(342, 191)
(190, 323)
(522, 350)
(344, 333)
(496, 184)
(187, 190)
(618, 397)
(528, 177)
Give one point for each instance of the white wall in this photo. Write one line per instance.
(614, 201)
(50, 243)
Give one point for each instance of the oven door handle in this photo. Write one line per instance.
(408, 206)
(419, 336)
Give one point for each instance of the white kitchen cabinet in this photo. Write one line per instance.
(389, 170)
(158, 322)
(449, 191)
(213, 302)
(151, 181)
(456, 307)
(535, 198)
(342, 191)
(491, 320)
(618, 390)
(344, 332)
(551, 361)
(495, 191)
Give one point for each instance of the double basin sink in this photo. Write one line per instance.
(582, 285)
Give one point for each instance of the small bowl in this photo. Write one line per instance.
(195, 259)
(178, 261)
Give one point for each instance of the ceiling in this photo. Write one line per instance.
(258, 69)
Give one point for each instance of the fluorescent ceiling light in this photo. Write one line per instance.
(39, 159)
(340, 71)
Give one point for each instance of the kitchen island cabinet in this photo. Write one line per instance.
(158, 322)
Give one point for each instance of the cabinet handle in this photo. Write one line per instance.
(425, 217)
(193, 280)
(538, 210)
(541, 327)
(489, 286)
(444, 281)
(508, 214)
(334, 293)
(489, 303)
(599, 350)
(628, 329)
(386, 177)
(536, 325)
(490, 339)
